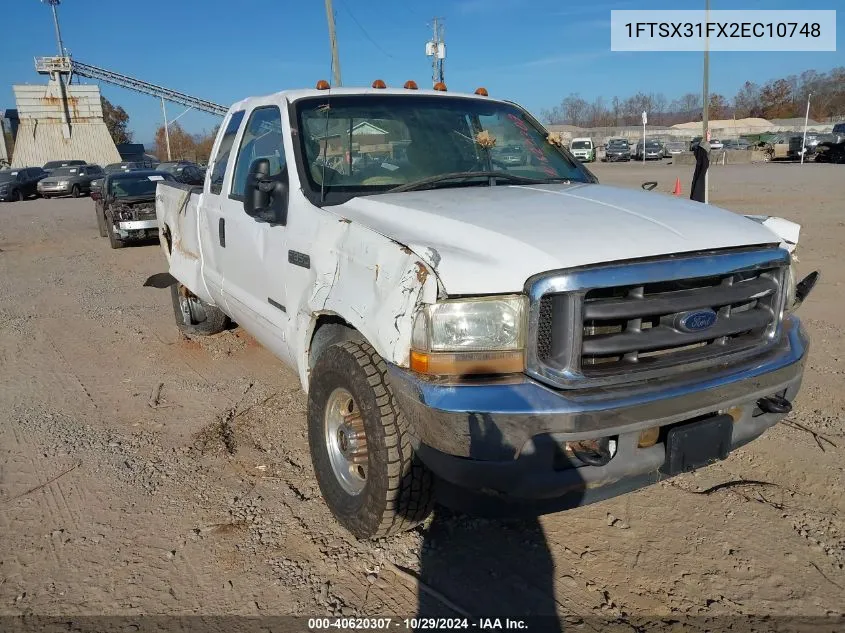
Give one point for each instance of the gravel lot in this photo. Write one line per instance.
(142, 472)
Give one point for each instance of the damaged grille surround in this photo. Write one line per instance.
(604, 325)
(137, 211)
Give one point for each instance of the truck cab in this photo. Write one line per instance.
(499, 335)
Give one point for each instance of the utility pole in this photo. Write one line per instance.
(705, 119)
(166, 130)
(53, 4)
(436, 49)
(333, 43)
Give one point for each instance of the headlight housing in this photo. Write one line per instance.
(62, 183)
(484, 335)
(791, 280)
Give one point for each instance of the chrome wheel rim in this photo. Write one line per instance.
(346, 441)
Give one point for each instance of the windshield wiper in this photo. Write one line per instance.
(464, 175)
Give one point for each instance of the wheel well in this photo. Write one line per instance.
(329, 330)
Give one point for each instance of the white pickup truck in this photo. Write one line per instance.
(511, 337)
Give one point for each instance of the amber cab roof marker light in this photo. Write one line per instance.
(378, 83)
(410, 85)
(482, 92)
(323, 85)
(440, 86)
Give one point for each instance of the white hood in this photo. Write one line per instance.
(492, 239)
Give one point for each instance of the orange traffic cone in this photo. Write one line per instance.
(677, 187)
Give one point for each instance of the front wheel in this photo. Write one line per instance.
(75, 191)
(195, 316)
(101, 222)
(368, 473)
(18, 196)
(114, 239)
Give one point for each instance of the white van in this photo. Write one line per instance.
(583, 149)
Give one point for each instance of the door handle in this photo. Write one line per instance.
(221, 229)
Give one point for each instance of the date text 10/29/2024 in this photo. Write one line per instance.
(415, 624)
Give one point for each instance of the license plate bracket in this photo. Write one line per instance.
(696, 444)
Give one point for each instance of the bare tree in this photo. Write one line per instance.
(658, 105)
(574, 109)
(747, 101)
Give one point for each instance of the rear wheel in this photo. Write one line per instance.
(195, 316)
(368, 473)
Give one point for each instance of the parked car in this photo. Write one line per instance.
(20, 183)
(510, 155)
(716, 144)
(55, 164)
(125, 205)
(737, 144)
(653, 150)
(583, 149)
(617, 149)
(69, 181)
(126, 165)
(831, 150)
(809, 145)
(671, 148)
(550, 359)
(184, 171)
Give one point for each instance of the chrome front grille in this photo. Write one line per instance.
(624, 322)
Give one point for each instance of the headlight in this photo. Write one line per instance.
(62, 183)
(791, 281)
(470, 336)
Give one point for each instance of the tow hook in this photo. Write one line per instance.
(594, 452)
(774, 404)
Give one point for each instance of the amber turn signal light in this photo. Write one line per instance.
(410, 85)
(440, 86)
(648, 437)
(482, 92)
(378, 83)
(323, 85)
(467, 363)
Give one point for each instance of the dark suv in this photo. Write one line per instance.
(20, 183)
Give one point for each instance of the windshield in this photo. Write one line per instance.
(136, 186)
(8, 176)
(581, 145)
(617, 144)
(65, 171)
(369, 144)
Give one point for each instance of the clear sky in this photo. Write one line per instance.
(531, 51)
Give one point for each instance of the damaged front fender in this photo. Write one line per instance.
(372, 283)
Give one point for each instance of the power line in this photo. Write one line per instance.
(364, 31)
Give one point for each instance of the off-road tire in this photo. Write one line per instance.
(75, 191)
(215, 320)
(399, 490)
(114, 240)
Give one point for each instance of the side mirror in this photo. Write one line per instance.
(804, 287)
(265, 196)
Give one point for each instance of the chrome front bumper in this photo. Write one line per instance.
(502, 437)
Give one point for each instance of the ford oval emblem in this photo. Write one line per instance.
(695, 321)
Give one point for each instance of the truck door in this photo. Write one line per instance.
(211, 221)
(255, 255)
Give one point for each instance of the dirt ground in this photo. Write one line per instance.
(142, 472)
